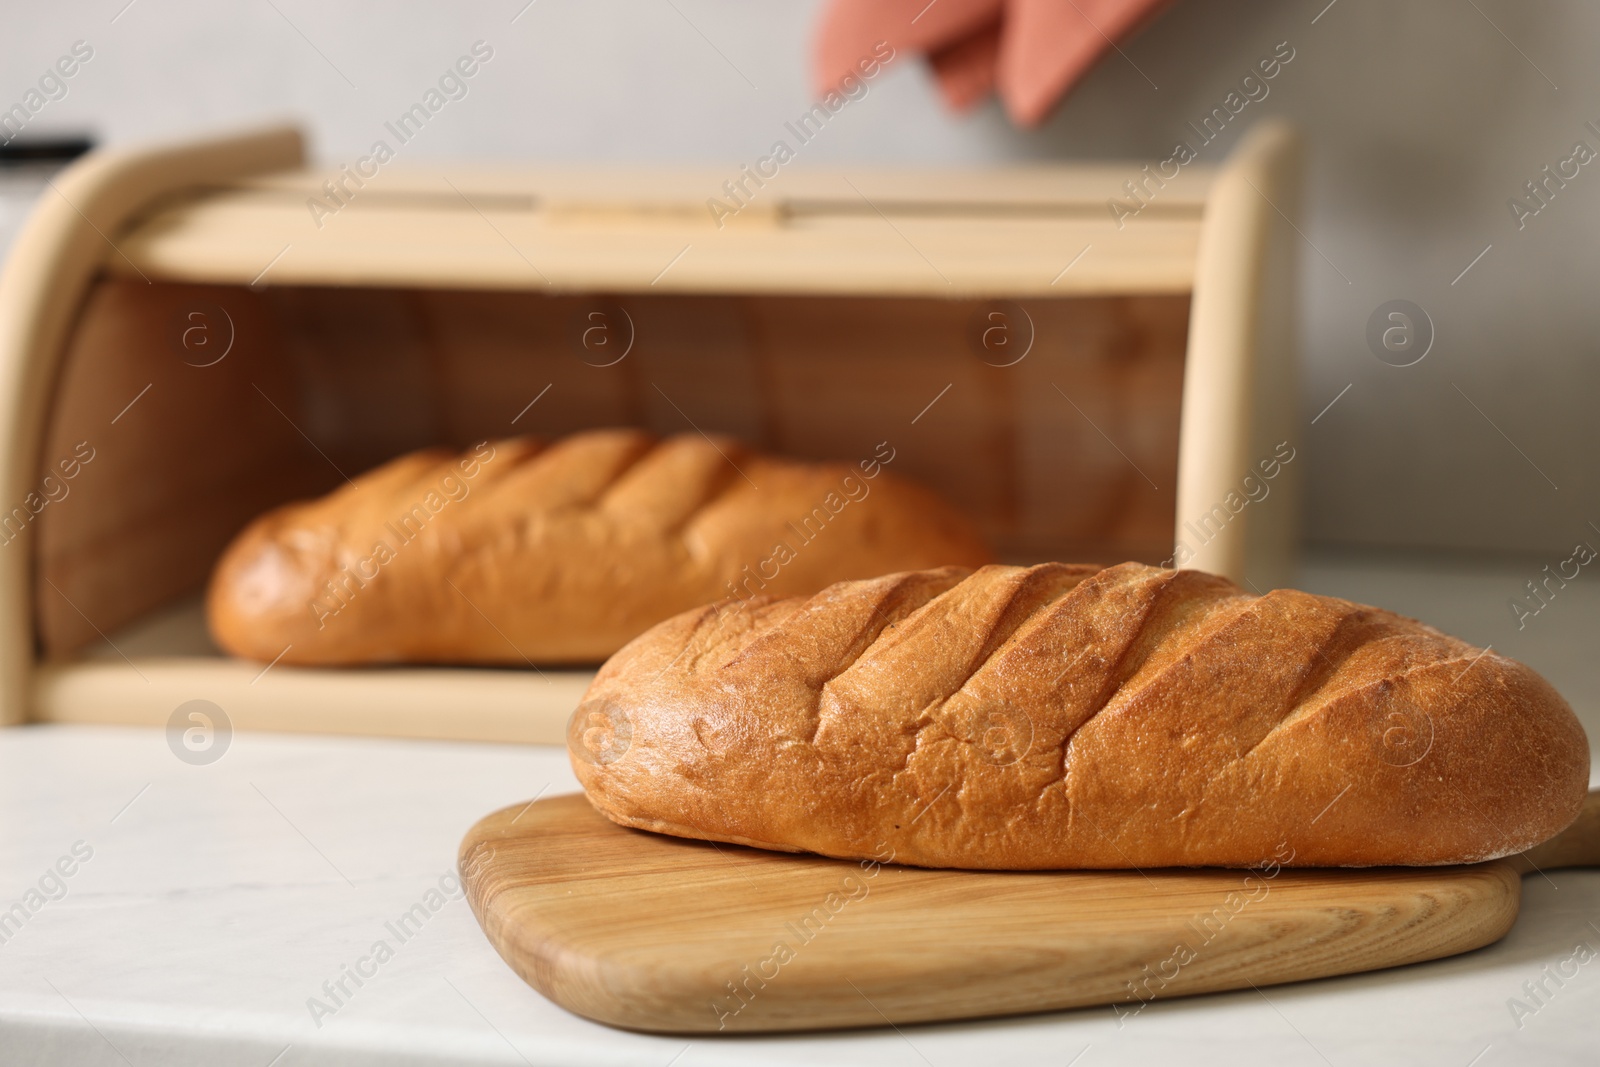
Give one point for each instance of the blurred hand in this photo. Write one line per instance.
(1031, 51)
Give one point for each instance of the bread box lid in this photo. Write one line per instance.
(1015, 231)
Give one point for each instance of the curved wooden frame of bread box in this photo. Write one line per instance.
(190, 334)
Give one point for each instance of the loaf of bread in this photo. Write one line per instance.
(1078, 717)
(518, 552)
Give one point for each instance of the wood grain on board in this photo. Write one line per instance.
(650, 932)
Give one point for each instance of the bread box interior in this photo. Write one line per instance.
(201, 332)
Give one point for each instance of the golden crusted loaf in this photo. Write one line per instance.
(1078, 717)
(518, 552)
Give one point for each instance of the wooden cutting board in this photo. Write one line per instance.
(658, 933)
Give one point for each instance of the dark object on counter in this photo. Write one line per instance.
(59, 150)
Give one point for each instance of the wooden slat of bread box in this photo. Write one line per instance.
(1080, 185)
(138, 675)
(1001, 236)
(451, 704)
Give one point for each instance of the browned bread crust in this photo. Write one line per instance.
(518, 552)
(1077, 717)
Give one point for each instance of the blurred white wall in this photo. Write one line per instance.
(1421, 120)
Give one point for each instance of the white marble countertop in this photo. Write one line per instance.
(215, 900)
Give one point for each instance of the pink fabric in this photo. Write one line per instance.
(1031, 51)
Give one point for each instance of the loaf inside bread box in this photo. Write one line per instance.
(1068, 452)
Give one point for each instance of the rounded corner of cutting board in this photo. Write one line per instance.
(493, 861)
(667, 935)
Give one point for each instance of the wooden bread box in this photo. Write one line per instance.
(192, 334)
